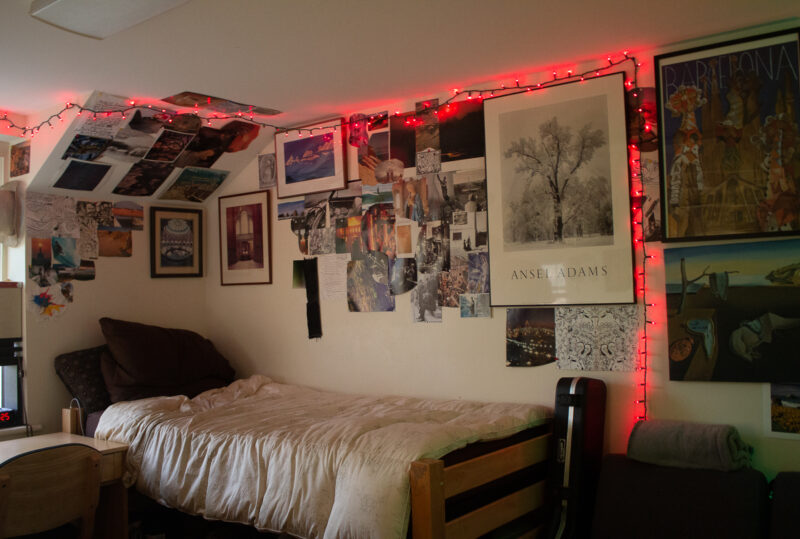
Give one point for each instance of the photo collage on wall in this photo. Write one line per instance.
(149, 151)
(67, 236)
(415, 219)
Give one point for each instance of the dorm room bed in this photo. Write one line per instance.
(321, 464)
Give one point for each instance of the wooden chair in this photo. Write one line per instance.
(50, 487)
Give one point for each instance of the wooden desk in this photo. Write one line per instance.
(112, 512)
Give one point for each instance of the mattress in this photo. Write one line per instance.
(294, 459)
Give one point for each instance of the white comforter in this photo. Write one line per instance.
(290, 458)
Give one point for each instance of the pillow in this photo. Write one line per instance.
(148, 361)
(80, 372)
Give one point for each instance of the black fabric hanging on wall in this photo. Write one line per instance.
(312, 298)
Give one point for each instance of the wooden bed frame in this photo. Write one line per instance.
(483, 488)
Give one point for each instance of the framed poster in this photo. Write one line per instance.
(733, 312)
(176, 242)
(728, 116)
(558, 195)
(310, 159)
(244, 239)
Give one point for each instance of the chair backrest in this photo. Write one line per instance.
(47, 488)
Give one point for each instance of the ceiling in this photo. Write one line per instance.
(317, 58)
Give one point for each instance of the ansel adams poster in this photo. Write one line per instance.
(558, 195)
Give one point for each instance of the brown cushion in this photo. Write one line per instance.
(147, 361)
(80, 372)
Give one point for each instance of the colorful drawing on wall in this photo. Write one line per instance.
(114, 242)
(530, 337)
(598, 338)
(402, 275)
(81, 175)
(424, 307)
(368, 284)
(266, 171)
(728, 126)
(474, 306)
(734, 312)
(143, 178)
(86, 148)
(128, 215)
(461, 132)
(245, 244)
(176, 242)
(20, 158)
(46, 302)
(558, 195)
(310, 160)
(168, 145)
(195, 184)
(782, 411)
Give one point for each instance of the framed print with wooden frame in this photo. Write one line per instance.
(728, 138)
(176, 242)
(245, 254)
(311, 159)
(558, 195)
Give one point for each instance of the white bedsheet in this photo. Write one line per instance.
(290, 458)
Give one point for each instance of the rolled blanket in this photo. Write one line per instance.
(688, 445)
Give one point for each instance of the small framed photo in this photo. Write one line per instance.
(558, 196)
(727, 115)
(245, 255)
(176, 242)
(311, 159)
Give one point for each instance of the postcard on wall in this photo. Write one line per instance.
(195, 184)
(424, 304)
(782, 411)
(733, 312)
(530, 337)
(266, 171)
(114, 242)
(474, 306)
(128, 215)
(368, 284)
(559, 226)
(728, 114)
(20, 158)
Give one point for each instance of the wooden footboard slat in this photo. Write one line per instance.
(478, 471)
(495, 514)
(427, 499)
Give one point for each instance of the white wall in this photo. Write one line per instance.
(122, 289)
(262, 328)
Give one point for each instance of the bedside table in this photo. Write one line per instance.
(112, 511)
